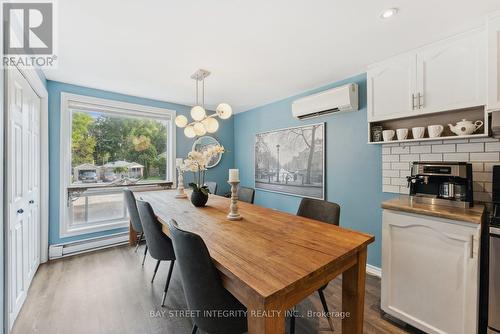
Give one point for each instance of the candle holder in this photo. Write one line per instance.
(180, 185)
(234, 214)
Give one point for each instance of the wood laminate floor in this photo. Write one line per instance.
(108, 292)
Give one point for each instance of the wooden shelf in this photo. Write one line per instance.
(479, 135)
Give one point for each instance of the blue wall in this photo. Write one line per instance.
(353, 168)
(183, 146)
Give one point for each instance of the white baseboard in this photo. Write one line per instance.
(372, 270)
(87, 245)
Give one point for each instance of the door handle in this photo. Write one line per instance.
(31, 201)
(20, 211)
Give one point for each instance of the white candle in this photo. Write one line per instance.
(178, 162)
(234, 175)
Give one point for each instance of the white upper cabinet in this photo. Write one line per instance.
(390, 88)
(447, 75)
(452, 74)
(494, 62)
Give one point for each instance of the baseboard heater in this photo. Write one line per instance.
(87, 245)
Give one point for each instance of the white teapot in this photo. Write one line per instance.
(465, 127)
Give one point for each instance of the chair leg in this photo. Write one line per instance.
(292, 324)
(156, 269)
(138, 242)
(168, 282)
(195, 328)
(145, 252)
(325, 308)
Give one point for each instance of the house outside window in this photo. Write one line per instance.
(110, 146)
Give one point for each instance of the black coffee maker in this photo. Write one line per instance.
(441, 183)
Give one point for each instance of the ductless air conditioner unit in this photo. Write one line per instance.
(344, 98)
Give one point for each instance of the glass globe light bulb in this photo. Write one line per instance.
(189, 131)
(211, 124)
(224, 111)
(198, 113)
(181, 121)
(199, 129)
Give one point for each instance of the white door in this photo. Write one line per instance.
(23, 182)
(390, 88)
(451, 74)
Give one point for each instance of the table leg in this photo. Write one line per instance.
(132, 235)
(265, 320)
(353, 295)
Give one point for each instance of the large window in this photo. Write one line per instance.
(111, 145)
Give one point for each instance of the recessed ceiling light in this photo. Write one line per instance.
(388, 13)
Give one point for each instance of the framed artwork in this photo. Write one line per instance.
(291, 161)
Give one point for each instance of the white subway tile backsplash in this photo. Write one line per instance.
(484, 153)
(390, 189)
(398, 181)
(431, 157)
(445, 148)
(477, 166)
(433, 142)
(457, 141)
(489, 156)
(404, 190)
(409, 157)
(390, 173)
(400, 150)
(390, 158)
(492, 147)
(470, 147)
(478, 186)
(482, 140)
(482, 197)
(421, 149)
(482, 176)
(401, 165)
(488, 166)
(456, 157)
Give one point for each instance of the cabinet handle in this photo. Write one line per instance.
(32, 201)
(420, 101)
(413, 101)
(20, 211)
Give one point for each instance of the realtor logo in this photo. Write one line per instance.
(28, 34)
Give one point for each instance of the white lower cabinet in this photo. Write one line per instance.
(430, 272)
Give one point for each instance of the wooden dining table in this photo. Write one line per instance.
(271, 260)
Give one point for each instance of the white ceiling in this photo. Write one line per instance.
(258, 51)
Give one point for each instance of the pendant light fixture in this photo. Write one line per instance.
(202, 123)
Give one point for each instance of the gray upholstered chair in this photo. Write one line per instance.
(135, 219)
(212, 187)
(159, 244)
(246, 194)
(326, 212)
(203, 286)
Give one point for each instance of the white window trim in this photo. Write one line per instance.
(83, 102)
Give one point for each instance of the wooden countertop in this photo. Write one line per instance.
(405, 204)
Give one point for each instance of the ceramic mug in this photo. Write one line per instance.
(435, 130)
(388, 135)
(418, 132)
(402, 134)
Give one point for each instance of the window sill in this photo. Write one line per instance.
(80, 230)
